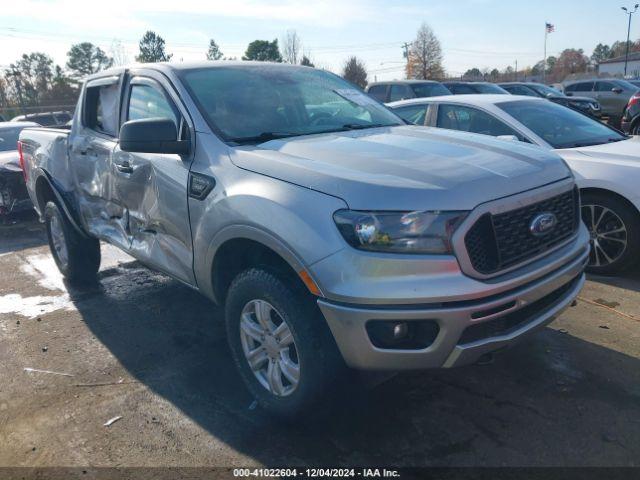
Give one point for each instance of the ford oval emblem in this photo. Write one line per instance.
(542, 224)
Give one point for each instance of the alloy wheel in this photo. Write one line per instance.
(269, 348)
(608, 234)
(58, 240)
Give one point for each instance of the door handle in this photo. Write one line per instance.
(124, 167)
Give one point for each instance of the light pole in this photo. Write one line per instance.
(630, 13)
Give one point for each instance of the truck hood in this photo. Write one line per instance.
(10, 161)
(406, 167)
(625, 152)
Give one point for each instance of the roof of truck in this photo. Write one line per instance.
(166, 66)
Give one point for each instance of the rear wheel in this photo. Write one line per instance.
(77, 257)
(614, 228)
(280, 343)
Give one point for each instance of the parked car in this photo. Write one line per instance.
(332, 233)
(605, 162)
(49, 119)
(2, 119)
(470, 88)
(612, 94)
(13, 192)
(584, 104)
(631, 119)
(634, 82)
(403, 89)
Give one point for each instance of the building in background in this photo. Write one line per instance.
(614, 67)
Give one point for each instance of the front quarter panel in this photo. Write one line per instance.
(295, 221)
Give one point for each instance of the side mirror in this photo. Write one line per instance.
(152, 135)
(617, 90)
(508, 138)
(569, 94)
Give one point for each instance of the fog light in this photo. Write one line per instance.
(394, 335)
(400, 330)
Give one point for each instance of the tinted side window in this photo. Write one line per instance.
(413, 114)
(604, 86)
(101, 108)
(461, 89)
(399, 92)
(458, 117)
(146, 101)
(379, 92)
(580, 87)
(520, 90)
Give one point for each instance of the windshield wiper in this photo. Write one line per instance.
(263, 137)
(362, 126)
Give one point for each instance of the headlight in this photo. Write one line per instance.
(399, 232)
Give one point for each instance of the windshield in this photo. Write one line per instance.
(544, 90)
(429, 89)
(9, 139)
(626, 85)
(559, 126)
(490, 88)
(253, 104)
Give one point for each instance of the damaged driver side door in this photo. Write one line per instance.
(152, 187)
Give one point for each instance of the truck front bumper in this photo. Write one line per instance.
(466, 329)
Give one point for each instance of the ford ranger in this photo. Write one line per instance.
(335, 236)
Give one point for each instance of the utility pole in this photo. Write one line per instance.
(406, 46)
(629, 13)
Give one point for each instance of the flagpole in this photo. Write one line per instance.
(544, 63)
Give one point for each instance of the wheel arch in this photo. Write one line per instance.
(45, 191)
(237, 248)
(605, 191)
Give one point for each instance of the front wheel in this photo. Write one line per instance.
(614, 228)
(280, 343)
(77, 257)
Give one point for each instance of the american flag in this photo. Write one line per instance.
(550, 28)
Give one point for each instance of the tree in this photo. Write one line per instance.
(64, 90)
(214, 52)
(306, 61)
(152, 49)
(30, 77)
(425, 55)
(473, 74)
(570, 61)
(494, 74)
(85, 58)
(600, 53)
(355, 71)
(619, 49)
(263, 51)
(291, 47)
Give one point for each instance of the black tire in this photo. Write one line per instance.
(321, 368)
(82, 254)
(624, 258)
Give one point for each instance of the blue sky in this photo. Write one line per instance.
(473, 33)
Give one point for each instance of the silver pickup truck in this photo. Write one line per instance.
(335, 236)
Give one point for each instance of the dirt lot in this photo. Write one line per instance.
(148, 349)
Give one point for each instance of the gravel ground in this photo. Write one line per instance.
(150, 352)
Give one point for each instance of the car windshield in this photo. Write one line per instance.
(253, 104)
(560, 126)
(490, 88)
(9, 139)
(544, 90)
(626, 85)
(429, 89)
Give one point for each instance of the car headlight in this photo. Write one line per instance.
(399, 232)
